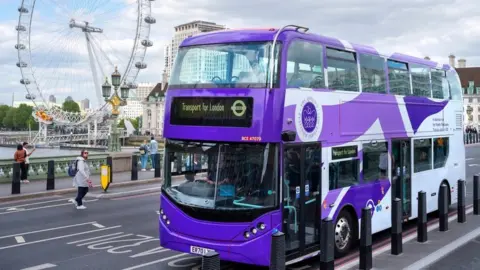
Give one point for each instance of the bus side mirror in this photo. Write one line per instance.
(289, 136)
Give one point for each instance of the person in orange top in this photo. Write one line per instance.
(19, 157)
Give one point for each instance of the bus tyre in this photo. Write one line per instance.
(344, 234)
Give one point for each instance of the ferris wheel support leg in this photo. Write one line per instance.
(95, 134)
(89, 134)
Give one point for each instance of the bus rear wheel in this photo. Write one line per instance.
(344, 234)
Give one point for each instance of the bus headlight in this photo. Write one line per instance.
(168, 222)
(164, 217)
(161, 211)
(246, 234)
(254, 230)
(261, 226)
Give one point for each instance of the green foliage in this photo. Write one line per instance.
(134, 122)
(17, 118)
(3, 113)
(121, 123)
(70, 106)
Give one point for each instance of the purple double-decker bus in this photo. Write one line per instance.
(276, 129)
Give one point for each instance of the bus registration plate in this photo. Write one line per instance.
(199, 250)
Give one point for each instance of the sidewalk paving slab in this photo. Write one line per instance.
(420, 255)
(66, 182)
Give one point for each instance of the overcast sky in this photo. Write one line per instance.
(419, 27)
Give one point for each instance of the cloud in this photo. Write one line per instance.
(419, 27)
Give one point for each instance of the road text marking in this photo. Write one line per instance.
(88, 239)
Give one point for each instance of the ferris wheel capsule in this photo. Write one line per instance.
(150, 20)
(140, 65)
(21, 28)
(22, 10)
(25, 81)
(147, 43)
(20, 47)
(21, 64)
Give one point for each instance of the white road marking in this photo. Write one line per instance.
(29, 204)
(40, 267)
(46, 230)
(420, 264)
(14, 209)
(104, 239)
(98, 225)
(20, 239)
(473, 165)
(301, 268)
(59, 237)
(157, 261)
(376, 252)
(43, 207)
(467, 159)
(88, 239)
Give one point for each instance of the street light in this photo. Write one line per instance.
(116, 102)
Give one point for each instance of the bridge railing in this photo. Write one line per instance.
(39, 166)
(471, 138)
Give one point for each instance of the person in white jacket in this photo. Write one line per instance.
(81, 179)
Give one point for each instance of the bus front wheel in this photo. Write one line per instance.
(344, 234)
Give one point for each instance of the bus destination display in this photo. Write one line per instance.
(212, 111)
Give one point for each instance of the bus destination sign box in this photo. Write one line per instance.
(212, 111)
(344, 152)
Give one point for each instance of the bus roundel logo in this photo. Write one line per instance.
(309, 120)
(239, 108)
(309, 117)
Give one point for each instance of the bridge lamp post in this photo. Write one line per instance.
(116, 102)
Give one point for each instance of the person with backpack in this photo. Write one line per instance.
(153, 152)
(27, 161)
(144, 150)
(81, 178)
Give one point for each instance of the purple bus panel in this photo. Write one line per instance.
(225, 238)
(266, 122)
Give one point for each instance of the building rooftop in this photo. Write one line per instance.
(199, 22)
(157, 91)
(469, 74)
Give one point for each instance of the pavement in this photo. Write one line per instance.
(38, 188)
(121, 232)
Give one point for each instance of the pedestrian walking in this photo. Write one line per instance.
(19, 157)
(27, 162)
(153, 152)
(81, 179)
(144, 151)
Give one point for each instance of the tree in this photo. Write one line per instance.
(3, 113)
(10, 119)
(121, 123)
(24, 113)
(134, 122)
(70, 106)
